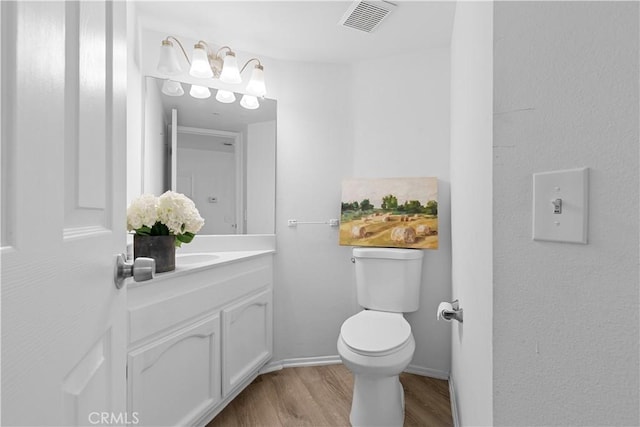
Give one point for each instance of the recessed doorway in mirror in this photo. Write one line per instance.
(219, 154)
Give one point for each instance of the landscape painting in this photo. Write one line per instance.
(390, 212)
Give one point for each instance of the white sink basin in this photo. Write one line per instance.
(197, 258)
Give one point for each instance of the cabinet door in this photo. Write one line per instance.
(247, 338)
(175, 379)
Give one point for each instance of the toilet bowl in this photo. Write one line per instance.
(376, 346)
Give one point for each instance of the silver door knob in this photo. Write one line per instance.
(140, 269)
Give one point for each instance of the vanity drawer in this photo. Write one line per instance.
(175, 302)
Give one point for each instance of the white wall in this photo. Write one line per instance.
(471, 210)
(314, 291)
(566, 333)
(261, 195)
(401, 129)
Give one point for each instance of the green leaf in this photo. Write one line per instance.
(185, 238)
(143, 231)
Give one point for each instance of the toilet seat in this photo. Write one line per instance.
(375, 333)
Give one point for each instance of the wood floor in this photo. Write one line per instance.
(321, 396)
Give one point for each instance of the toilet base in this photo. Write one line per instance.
(377, 401)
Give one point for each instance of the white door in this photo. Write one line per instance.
(63, 212)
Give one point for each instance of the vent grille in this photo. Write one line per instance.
(366, 15)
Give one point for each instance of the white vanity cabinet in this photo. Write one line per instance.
(248, 338)
(197, 338)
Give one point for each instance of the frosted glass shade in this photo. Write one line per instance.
(168, 63)
(225, 96)
(230, 72)
(200, 92)
(172, 88)
(256, 85)
(249, 102)
(200, 63)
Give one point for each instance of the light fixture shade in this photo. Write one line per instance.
(200, 63)
(249, 102)
(230, 72)
(200, 92)
(256, 85)
(168, 63)
(225, 96)
(172, 88)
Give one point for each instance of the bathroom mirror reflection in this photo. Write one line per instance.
(221, 155)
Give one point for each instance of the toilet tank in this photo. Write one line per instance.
(388, 279)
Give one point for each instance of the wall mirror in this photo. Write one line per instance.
(221, 155)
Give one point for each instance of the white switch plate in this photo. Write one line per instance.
(570, 225)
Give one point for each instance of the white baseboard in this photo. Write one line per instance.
(300, 361)
(454, 403)
(427, 372)
(334, 360)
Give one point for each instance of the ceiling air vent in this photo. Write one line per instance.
(366, 15)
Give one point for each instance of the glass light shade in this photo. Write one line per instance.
(249, 102)
(168, 63)
(200, 92)
(200, 63)
(172, 88)
(225, 96)
(230, 72)
(256, 85)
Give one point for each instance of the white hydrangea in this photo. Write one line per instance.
(142, 212)
(179, 213)
(149, 215)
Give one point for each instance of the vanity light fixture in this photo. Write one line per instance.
(200, 92)
(200, 62)
(230, 72)
(256, 85)
(249, 102)
(172, 88)
(205, 64)
(169, 63)
(225, 96)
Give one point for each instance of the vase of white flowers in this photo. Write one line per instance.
(160, 224)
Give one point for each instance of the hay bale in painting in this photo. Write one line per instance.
(358, 232)
(423, 230)
(403, 235)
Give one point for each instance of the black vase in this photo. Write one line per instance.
(160, 248)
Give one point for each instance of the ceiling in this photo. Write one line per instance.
(302, 30)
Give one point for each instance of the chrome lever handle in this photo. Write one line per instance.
(141, 269)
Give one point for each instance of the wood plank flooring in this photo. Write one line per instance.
(321, 396)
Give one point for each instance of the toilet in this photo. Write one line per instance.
(376, 344)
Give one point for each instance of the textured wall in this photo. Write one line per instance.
(471, 210)
(313, 291)
(401, 128)
(566, 315)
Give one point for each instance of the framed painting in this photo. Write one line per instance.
(390, 212)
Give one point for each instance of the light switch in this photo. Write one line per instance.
(560, 205)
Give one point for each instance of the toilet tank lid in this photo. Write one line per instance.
(387, 253)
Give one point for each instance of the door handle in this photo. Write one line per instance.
(141, 269)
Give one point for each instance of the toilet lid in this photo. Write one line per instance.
(375, 332)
